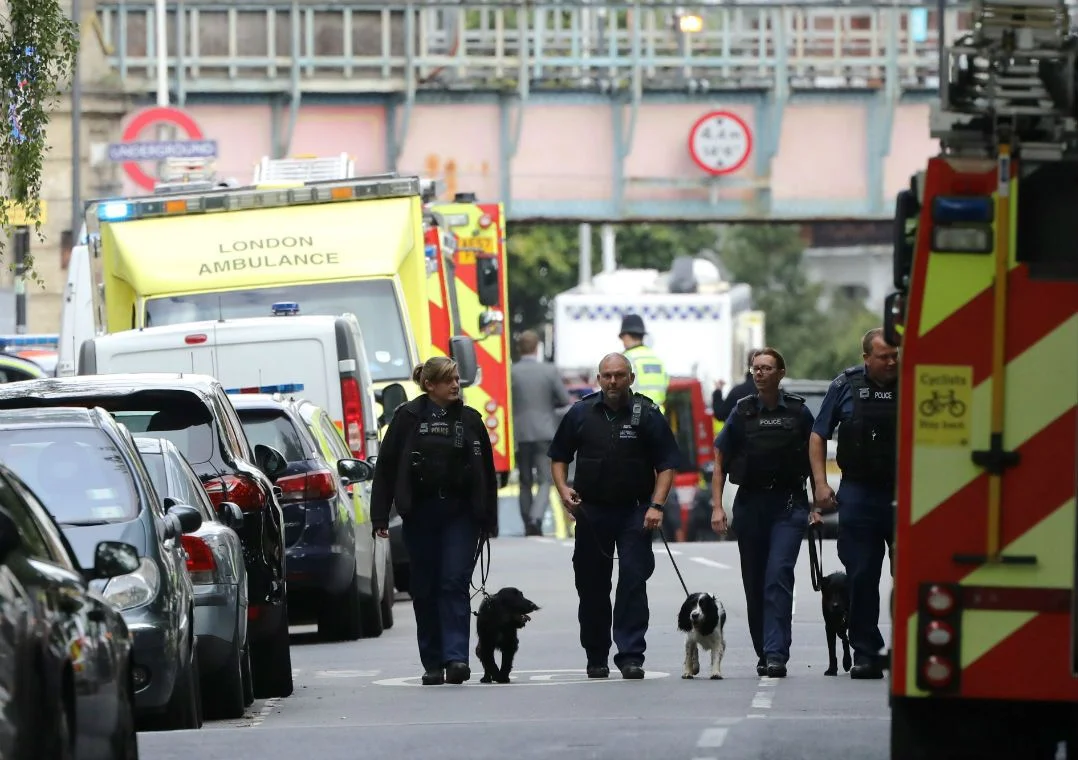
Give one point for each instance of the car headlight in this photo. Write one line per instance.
(134, 589)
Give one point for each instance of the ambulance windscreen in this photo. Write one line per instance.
(374, 302)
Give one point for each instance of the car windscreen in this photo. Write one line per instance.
(273, 428)
(374, 302)
(77, 472)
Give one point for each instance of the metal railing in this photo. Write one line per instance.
(268, 46)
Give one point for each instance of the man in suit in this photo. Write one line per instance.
(538, 394)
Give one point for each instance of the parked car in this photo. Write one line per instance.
(15, 368)
(88, 474)
(337, 570)
(66, 687)
(215, 564)
(194, 412)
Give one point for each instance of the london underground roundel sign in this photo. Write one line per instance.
(720, 142)
(146, 118)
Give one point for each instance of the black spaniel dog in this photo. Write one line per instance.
(499, 619)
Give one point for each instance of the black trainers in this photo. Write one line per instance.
(457, 672)
(775, 668)
(433, 677)
(870, 670)
(632, 671)
(761, 667)
(598, 671)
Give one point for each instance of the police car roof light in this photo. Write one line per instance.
(285, 308)
(946, 210)
(113, 211)
(267, 389)
(30, 341)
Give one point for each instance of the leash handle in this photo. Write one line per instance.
(815, 536)
(672, 562)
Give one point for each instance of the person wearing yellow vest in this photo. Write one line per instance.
(651, 377)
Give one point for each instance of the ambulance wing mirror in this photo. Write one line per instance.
(491, 322)
(487, 279)
(462, 349)
(894, 318)
(907, 211)
(391, 397)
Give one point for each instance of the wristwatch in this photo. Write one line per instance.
(657, 506)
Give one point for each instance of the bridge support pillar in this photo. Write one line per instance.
(880, 121)
(769, 115)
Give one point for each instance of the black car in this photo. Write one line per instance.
(194, 412)
(338, 572)
(66, 685)
(87, 472)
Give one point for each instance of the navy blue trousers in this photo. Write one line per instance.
(441, 545)
(599, 530)
(866, 526)
(769, 537)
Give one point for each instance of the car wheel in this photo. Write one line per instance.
(388, 593)
(271, 661)
(370, 611)
(125, 737)
(248, 680)
(339, 618)
(223, 695)
(184, 708)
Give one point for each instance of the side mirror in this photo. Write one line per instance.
(894, 318)
(230, 515)
(487, 280)
(188, 518)
(270, 461)
(462, 349)
(355, 470)
(113, 558)
(491, 322)
(390, 397)
(10, 540)
(907, 216)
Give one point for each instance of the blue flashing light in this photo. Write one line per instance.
(431, 252)
(962, 209)
(113, 211)
(30, 341)
(285, 308)
(268, 389)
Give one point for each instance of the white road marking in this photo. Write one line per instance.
(546, 677)
(711, 563)
(543, 539)
(712, 737)
(267, 708)
(756, 715)
(658, 549)
(346, 673)
(793, 609)
(764, 695)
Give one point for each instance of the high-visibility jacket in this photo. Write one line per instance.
(651, 377)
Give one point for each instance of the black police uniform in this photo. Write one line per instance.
(765, 453)
(618, 454)
(866, 416)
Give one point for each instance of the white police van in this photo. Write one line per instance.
(319, 357)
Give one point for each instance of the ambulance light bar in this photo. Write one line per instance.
(951, 210)
(130, 209)
(29, 341)
(267, 389)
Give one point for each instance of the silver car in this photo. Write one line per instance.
(215, 564)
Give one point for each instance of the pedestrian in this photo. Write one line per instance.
(538, 394)
(651, 377)
(763, 447)
(746, 387)
(626, 458)
(436, 465)
(862, 403)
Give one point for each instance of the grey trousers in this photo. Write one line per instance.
(534, 467)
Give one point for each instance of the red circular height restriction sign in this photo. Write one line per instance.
(720, 142)
(142, 120)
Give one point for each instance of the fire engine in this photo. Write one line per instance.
(985, 655)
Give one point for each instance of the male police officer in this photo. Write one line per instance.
(626, 459)
(651, 377)
(863, 403)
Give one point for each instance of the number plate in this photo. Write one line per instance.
(483, 244)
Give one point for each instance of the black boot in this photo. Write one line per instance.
(457, 672)
(776, 668)
(433, 677)
(761, 667)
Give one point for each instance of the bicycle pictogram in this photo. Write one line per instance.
(930, 407)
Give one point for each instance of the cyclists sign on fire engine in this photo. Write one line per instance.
(943, 397)
(720, 142)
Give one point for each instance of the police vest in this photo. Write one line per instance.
(867, 447)
(774, 453)
(613, 462)
(651, 378)
(441, 461)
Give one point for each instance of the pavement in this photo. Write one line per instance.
(363, 698)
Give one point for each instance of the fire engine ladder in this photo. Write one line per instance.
(1009, 90)
(304, 169)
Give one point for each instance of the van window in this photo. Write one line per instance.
(374, 302)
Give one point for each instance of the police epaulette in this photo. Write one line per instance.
(592, 396)
(747, 405)
(793, 397)
(645, 399)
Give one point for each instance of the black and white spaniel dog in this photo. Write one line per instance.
(702, 618)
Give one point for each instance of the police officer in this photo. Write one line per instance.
(763, 447)
(626, 459)
(436, 465)
(651, 377)
(862, 402)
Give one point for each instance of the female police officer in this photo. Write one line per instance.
(436, 464)
(763, 447)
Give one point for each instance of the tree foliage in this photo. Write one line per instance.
(38, 49)
(544, 261)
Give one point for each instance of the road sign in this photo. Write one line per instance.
(146, 118)
(720, 142)
(159, 151)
